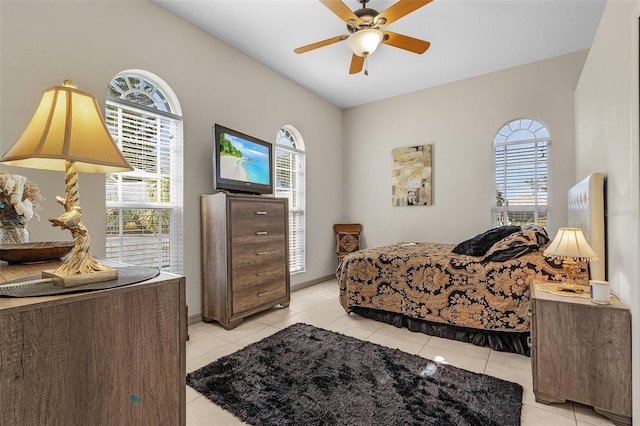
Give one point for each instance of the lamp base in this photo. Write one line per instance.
(571, 268)
(80, 279)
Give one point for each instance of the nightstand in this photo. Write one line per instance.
(581, 352)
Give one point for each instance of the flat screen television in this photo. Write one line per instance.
(241, 162)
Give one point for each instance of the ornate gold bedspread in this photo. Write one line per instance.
(427, 281)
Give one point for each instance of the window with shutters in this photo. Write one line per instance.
(144, 207)
(290, 183)
(522, 160)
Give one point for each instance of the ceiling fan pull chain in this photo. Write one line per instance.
(366, 65)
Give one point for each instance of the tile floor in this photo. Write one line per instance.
(318, 305)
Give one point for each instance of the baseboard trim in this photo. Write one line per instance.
(306, 284)
(192, 319)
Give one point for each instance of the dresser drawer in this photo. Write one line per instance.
(254, 256)
(246, 237)
(255, 219)
(254, 289)
(246, 210)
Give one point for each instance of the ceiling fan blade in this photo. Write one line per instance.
(357, 63)
(411, 44)
(322, 43)
(398, 10)
(341, 9)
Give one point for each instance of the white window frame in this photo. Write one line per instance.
(144, 99)
(527, 163)
(289, 142)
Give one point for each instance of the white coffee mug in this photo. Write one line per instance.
(600, 291)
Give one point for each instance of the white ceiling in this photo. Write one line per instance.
(468, 38)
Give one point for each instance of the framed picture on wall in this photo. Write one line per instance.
(411, 176)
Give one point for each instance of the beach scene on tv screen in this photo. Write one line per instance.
(243, 160)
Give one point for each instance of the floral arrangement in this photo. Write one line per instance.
(19, 199)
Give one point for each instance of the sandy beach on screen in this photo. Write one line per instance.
(233, 168)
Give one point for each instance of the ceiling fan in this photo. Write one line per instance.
(365, 34)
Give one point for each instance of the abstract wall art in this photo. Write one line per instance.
(411, 176)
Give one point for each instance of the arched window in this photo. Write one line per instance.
(522, 161)
(290, 183)
(144, 207)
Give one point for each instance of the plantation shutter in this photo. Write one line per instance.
(144, 207)
(521, 171)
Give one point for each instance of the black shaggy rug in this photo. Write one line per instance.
(304, 375)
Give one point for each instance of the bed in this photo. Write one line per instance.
(450, 291)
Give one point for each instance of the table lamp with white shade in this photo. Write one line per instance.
(570, 245)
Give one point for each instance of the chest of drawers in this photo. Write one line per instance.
(245, 257)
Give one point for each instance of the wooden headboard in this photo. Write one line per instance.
(586, 211)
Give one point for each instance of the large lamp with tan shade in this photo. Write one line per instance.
(568, 246)
(67, 132)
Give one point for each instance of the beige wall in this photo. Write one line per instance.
(607, 141)
(460, 120)
(43, 43)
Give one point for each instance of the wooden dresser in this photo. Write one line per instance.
(110, 357)
(581, 352)
(245, 256)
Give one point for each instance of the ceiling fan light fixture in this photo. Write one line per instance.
(364, 42)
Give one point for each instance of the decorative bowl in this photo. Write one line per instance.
(45, 251)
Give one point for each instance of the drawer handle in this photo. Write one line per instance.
(261, 213)
(263, 293)
(261, 233)
(262, 253)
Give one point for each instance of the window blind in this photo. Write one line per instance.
(144, 207)
(290, 184)
(521, 171)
